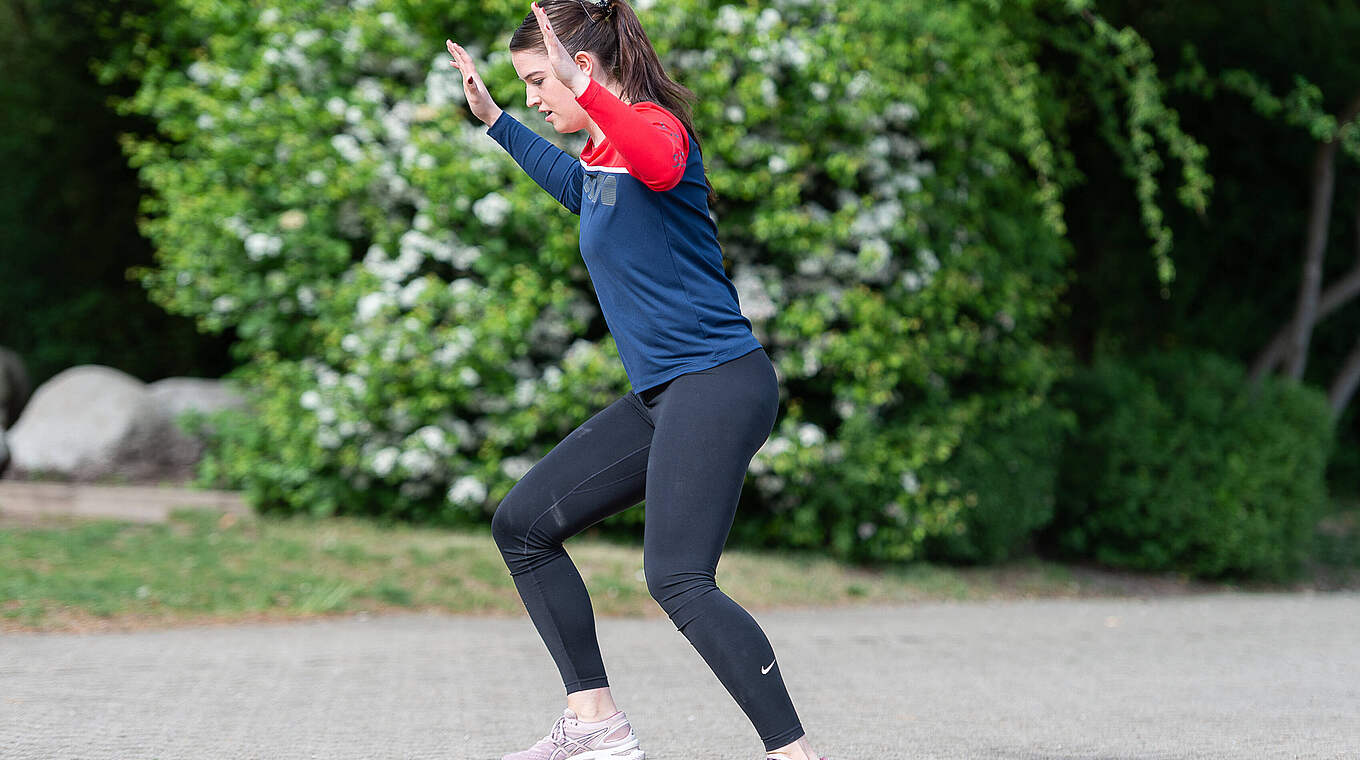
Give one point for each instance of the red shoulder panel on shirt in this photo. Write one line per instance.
(644, 138)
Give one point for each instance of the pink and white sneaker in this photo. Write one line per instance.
(608, 739)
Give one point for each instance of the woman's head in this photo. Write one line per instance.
(609, 43)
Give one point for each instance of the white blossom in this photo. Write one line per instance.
(768, 92)
(411, 293)
(433, 438)
(417, 462)
(810, 435)
(370, 305)
(730, 19)
(347, 146)
(752, 297)
(383, 461)
(327, 377)
(515, 467)
(491, 209)
(200, 72)
(767, 19)
(873, 257)
(355, 384)
(858, 84)
(467, 490)
(310, 399)
(525, 391)
(259, 245)
(909, 482)
(901, 112)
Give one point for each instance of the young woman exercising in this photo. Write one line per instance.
(704, 394)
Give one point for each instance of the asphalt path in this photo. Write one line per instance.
(1224, 675)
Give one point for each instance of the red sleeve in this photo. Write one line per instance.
(648, 136)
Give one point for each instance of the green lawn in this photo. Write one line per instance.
(204, 567)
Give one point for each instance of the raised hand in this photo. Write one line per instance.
(563, 66)
(478, 98)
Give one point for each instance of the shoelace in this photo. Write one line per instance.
(558, 735)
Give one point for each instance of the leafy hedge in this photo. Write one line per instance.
(1176, 466)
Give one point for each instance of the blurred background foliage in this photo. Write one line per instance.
(1011, 259)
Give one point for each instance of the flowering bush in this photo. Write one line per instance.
(419, 327)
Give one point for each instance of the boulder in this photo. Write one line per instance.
(175, 396)
(92, 422)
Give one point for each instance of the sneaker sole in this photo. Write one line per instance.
(613, 753)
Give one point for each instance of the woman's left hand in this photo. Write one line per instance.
(563, 66)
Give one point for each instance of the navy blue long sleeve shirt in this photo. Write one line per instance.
(647, 239)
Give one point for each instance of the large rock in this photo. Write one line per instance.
(92, 422)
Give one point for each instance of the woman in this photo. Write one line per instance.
(704, 394)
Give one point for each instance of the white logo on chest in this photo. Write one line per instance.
(601, 189)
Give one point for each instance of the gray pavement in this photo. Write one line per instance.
(1231, 675)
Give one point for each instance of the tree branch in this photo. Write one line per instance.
(1343, 387)
(1300, 329)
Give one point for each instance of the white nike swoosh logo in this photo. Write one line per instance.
(766, 669)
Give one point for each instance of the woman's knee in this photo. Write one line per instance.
(671, 586)
(507, 526)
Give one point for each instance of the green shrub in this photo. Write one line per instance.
(1177, 466)
(1007, 469)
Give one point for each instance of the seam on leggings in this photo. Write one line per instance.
(573, 490)
(557, 629)
(612, 482)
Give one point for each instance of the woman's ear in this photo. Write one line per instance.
(586, 62)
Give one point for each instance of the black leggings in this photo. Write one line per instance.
(683, 446)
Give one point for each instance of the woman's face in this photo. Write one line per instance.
(547, 93)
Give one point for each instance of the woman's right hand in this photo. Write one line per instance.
(478, 99)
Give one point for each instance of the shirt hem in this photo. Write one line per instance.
(709, 363)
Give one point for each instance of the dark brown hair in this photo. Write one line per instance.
(612, 32)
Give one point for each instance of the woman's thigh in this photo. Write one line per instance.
(708, 426)
(599, 469)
